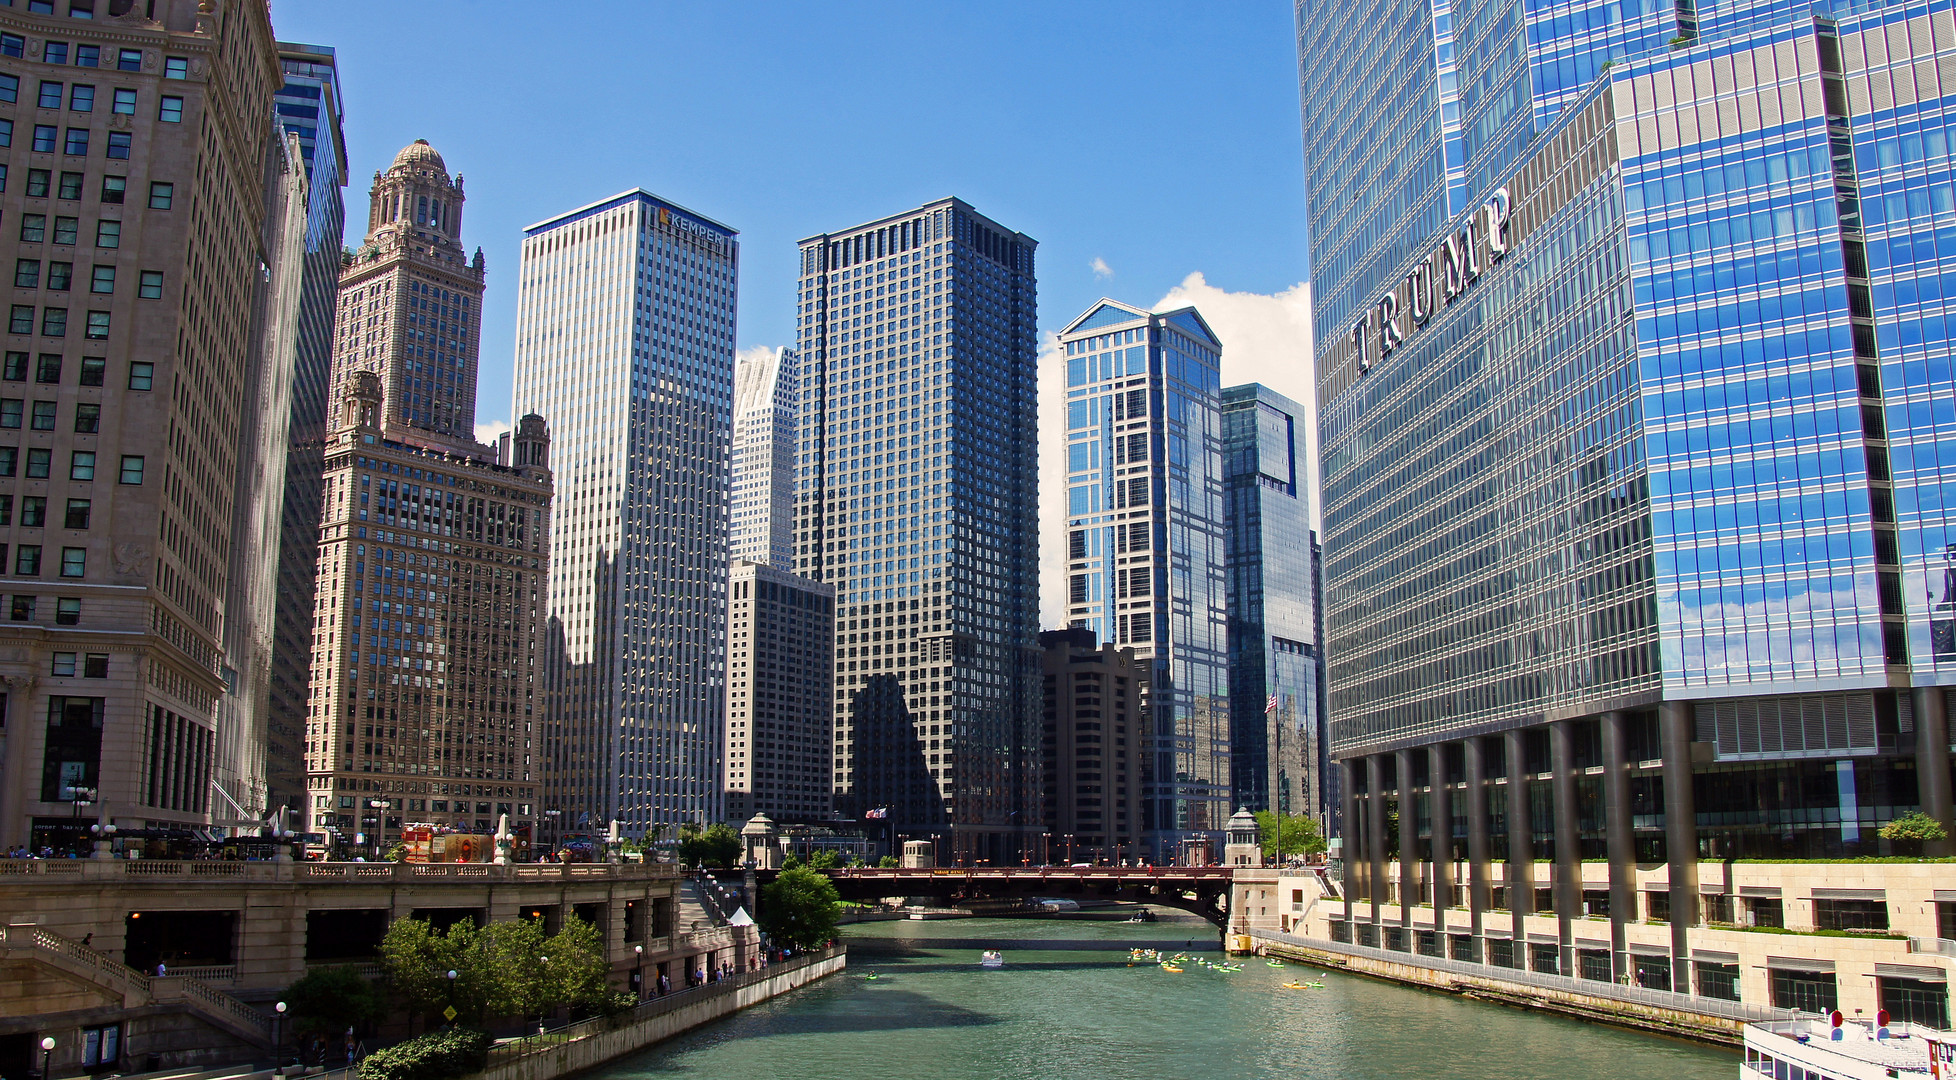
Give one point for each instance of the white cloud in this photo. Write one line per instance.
(1266, 339)
(1100, 268)
(758, 352)
(487, 433)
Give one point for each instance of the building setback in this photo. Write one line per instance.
(433, 566)
(1276, 669)
(624, 338)
(780, 663)
(1144, 545)
(762, 490)
(136, 223)
(309, 107)
(1634, 546)
(1095, 722)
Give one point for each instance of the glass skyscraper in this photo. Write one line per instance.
(624, 338)
(763, 487)
(915, 497)
(1634, 343)
(1279, 756)
(1144, 546)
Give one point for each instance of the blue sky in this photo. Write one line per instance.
(1160, 139)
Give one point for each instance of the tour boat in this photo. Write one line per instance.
(991, 958)
(1835, 1048)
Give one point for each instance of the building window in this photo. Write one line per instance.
(113, 188)
(54, 322)
(81, 98)
(176, 67)
(88, 418)
(16, 367)
(23, 608)
(47, 369)
(67, 611)
(33, 511)
(27, 560)
(119, 143)
(37, 183)
(72, 761)
(76, 144)
(108, 234)
(102, 279)
(1850, 914)
(6, 132)
(170, 110)
(27, 273)
(98, 326)
(40, 461)
(3, 178)
(101, 1047)
(132, 468)
(63, 665)
(78, 514)
(129, 60)
(124, 103)
(74, 562)
(71, 186)
(1808, 991)
(61, 275)
(81, 9)
(46, 137)
(95, 665)
(33, 228)
(44, 416)
(142, 374)
(150, 287)
(88, 56)
(10, 412)
(161, 194)
(12, 45)
(66, 229)
(50, 94)
(81, 465)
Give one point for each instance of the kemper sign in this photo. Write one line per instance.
(1442, 276)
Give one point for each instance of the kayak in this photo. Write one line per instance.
(1171, 967)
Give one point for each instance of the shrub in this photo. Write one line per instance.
(1914, 827)
(438, 1055)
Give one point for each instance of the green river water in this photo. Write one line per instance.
(1084, 1012)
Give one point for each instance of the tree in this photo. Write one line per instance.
(417, 961)
(1910, 831)
(799, 909)
(575, 968)
(329, 1000)
(1300, 834)
(717, 845)
(890, 862)
(504, 969)
(823, 859)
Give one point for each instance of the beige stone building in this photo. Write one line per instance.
(1090, 760)
(133, 215)
(780, 666)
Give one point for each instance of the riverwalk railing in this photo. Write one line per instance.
(62, 871)
(1630, 995)
(552, 1038)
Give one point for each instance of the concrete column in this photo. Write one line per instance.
(1568, 839)
(1375, 847)
(1441, 872)
(1932, 764)
(1477, 843)
(1620, 840)
(1678, 723)
(1521, 842)
(1351, 833)
(1408, 841)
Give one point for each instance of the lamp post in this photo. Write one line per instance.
(278, 1040)
(379, 807)
(104, 833)
(451, 994)
(638, 973)
(47, 1052)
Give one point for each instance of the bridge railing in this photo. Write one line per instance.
(64, 871)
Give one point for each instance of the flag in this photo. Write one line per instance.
(1271, 705)
(877, 814)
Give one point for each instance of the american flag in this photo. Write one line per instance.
(1271, 705)
(877, 814)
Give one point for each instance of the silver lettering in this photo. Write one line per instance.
(1361, 334)
(1389, 336)
(1419, 286)
(1453, 268)
(1496, 210)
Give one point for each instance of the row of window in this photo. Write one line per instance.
(27, 560)
(67, 609)
(93, 665)
(34, 230)
(34, 512)
(60, 278)
(81, 464)
(49, 138)
(114, 188)
(88, 415)
(81, 98)
(54, 322)
(94, 370)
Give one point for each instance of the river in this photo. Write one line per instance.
(1085, 1012)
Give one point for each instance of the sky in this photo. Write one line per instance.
(1153, 150)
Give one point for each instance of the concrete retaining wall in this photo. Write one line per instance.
(1715, 1029)
(603, 1046)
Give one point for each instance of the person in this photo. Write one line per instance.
(162, 969)
(88, 937)
(665, 984)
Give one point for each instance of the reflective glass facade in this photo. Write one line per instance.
(624, 338)
(1144, 544)
(915, 497)
(1276, 667)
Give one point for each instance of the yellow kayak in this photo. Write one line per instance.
(1168, 967)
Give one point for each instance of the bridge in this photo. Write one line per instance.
(1204, 890)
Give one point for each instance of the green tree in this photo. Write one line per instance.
(417, 960)
(717, 845)
(510, 956)
(823, 859)
(329, 1000)
(1300, 834)
(575, 969)
(799, 909)
(890, 862)
(1910, 831)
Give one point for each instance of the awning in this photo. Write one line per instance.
(1800, 963)
(1850, 894)
(1712, 956)
(1642, 949)
(1766, 891)
(1912, 971)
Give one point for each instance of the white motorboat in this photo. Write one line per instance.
(1834, 1048)
(991, 958)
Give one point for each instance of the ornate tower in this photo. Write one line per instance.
(411, 299)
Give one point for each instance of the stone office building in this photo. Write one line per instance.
(780, 667)
(1092, 742)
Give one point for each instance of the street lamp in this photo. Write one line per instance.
(638, 973)
(278, 1043)
(379, 807)
(104, 833)
(47, 1052)
(451, 994)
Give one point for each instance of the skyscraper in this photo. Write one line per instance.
(780, 663)
(309, 107)
(411, 300)
(122, 404)
(1093, 720)
(1144, 545)
(1628, 397)
(624, 338)
(1276, 669)
(763, 483)
(915, 498)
